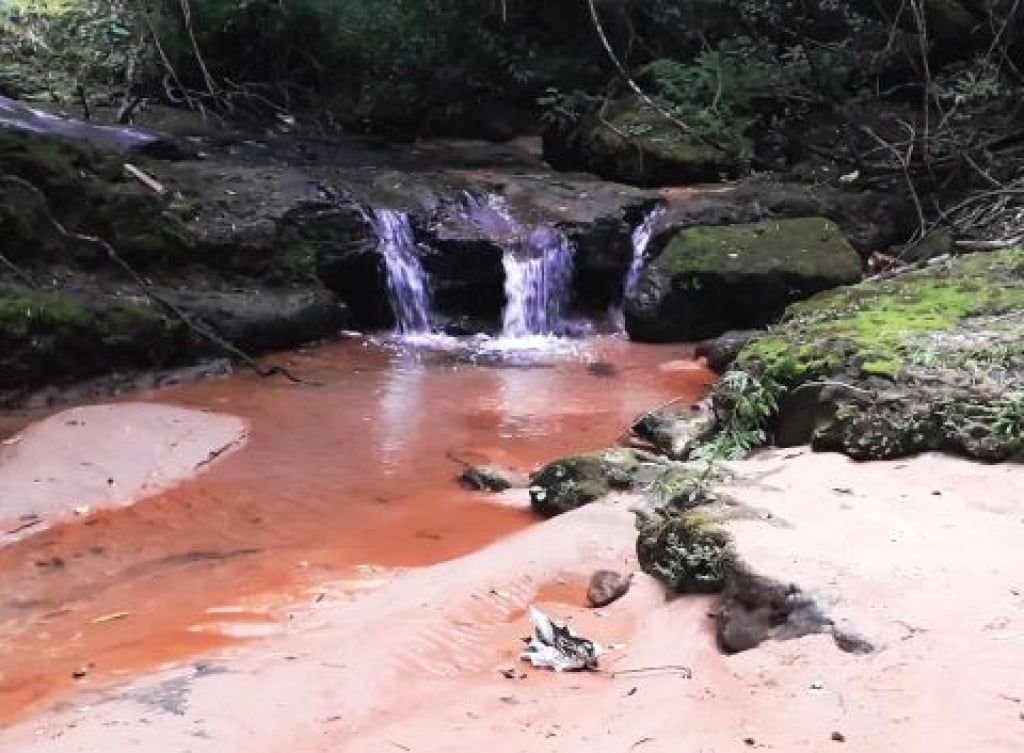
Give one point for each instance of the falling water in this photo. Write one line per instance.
(407, 280)
(641, 239)
(538, 269)
(537, 275)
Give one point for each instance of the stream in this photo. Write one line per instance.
(345, 481)
(340, 486)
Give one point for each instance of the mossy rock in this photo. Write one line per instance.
(689, 552)
(571, 482)
(709, 280)
(631, 143)
(89, 193)
(934, 360)
(51, 337)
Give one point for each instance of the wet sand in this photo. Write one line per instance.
(420, 664)
(339, 489)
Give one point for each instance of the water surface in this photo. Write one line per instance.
(340, 483)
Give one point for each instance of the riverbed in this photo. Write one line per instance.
(348, 480)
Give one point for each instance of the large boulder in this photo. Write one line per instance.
(709, 280)
(632, 143)
(925, 360)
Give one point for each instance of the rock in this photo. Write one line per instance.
(55, 337)
(632, 143)
(722, 350)
(259, 320)
(755, 608)
(926, 360)
(709, 280)
(578, 480)
(607, 586)
(675, 430)
(492, 478)
(696, 552)
(869, 220)
(688, 552)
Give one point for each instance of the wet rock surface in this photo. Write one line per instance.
(493, 478)
(575, 481)
(675, 430)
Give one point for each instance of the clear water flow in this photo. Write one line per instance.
(538, 269)
(408, 284)
(641, 240)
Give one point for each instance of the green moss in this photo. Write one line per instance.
(90, 194)
(811, 247)
(49, 337)
(633, 143)
(873, 328)
(21, 314)
(948, 340)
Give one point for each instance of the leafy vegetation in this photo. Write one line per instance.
(50, 47)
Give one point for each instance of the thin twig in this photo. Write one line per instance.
(196, 326)
(18, 271)
(644, 97)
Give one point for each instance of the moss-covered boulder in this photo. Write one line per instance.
(574, 481)
(53, 337)
(709, 280)
(927, 360)
(89, 193)
(631, 143)
(688, 552)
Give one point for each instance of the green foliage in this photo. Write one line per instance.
(50, 46)
(1009, 421)
(375, 60)
(687, 486)
(744, 405)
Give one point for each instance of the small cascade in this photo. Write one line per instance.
(538, 269)
(537, 275)
(408, 284)
(641, 239)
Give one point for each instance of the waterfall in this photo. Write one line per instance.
(408, 285)
(537, 276)
(641, 238)
(538, 268)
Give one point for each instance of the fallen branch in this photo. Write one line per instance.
(196, 326)
(145, 179)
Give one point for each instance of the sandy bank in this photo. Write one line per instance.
(922, 556)
(105, 455)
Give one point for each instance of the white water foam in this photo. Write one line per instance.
(408, 284)
(538, 269)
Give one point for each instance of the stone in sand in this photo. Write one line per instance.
(607, 586)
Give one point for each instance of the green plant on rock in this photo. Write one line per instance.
(744, 404)
(1009, 419)
(687, 486)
